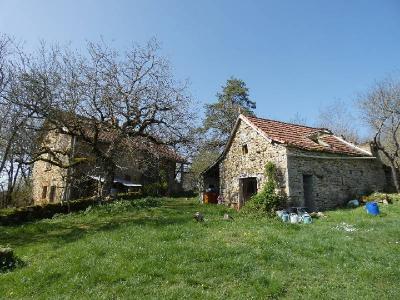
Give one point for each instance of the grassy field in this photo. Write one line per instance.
(119, 251)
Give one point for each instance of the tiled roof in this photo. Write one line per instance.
(304, 137)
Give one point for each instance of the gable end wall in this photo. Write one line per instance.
(44, 174)
(236, 165)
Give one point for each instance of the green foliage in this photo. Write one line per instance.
(159, 188)
(161, 253)
(23, 195)
(146, 202)
(124, 206)
(221, 116)
(267, 200)
(202, 161)
(155, 189)
(35, 212)
(7, 259)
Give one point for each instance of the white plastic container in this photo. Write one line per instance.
(294, 218)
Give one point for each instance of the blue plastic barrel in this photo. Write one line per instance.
(372, 208)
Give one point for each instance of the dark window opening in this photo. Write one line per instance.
(52, 193)
(44, 192)
(245, 150)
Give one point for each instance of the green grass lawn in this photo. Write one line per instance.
(119, 251)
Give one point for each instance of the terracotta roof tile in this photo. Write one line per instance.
(304, 137)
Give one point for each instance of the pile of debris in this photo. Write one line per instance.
(380, 198)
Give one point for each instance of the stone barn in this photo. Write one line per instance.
(136, 168)
(316, 169)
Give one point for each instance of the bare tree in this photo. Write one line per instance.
(104, 98)
(380, 107)
(338, 118)
(15, 135)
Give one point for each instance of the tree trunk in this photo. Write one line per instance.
(108, 179)
(395, 176)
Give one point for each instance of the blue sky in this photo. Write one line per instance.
(295, 56)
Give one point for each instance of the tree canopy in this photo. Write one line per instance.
(103, 96)
(220, 116)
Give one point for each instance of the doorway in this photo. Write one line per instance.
(308, 192)
(248, 188)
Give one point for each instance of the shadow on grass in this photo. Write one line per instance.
(67, 230)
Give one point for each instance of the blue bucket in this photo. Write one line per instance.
(372, 208)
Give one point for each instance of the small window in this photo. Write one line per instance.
(52, 193)
(44, 192)
(245, 150)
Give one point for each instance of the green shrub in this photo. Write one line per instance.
(7, 259)
(49, 210)
(159, 188)
(147, 202)
(267, 200)
(129, 195)
(154, 189)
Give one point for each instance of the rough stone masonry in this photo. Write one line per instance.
(315, 168)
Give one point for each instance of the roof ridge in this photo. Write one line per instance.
(288, 123)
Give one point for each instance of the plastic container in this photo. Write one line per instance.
(372, 208)
(307, 219)
(285, 217)
(294, 218)
(353, 203)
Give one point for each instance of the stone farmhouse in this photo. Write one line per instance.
(137, 168)
(316, 169)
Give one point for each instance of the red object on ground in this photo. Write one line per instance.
(210, 197)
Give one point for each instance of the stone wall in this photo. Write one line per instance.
(45, 176)
(335, 179)
(139, 168)
(236, 164)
